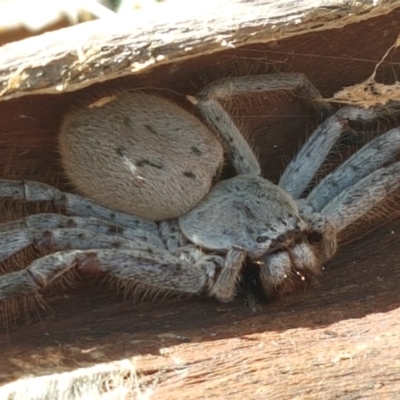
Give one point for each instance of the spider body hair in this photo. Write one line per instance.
(150, 223)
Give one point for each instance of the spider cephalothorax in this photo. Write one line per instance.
(142, 156)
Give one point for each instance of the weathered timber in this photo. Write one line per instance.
(75, 57)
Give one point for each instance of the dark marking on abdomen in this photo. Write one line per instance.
(120, 151)
(143, 163)
(151, 129)
(189, 175)
(196, 150)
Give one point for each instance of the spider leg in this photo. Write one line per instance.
(49, 221)
(158, 270)
(301, 170)
(73, 204)
(319, 224)
(63, 239)
(357, 200)
(345, 208)
(172, 235)
(239, 152)
(225, 286)
(375, 154)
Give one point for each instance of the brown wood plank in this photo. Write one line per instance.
(339, 340)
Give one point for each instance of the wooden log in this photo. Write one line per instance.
(335, 340)
(73, 58)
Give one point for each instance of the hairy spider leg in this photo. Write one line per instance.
(239, 151)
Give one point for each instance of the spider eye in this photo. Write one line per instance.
(281, 238)
(262, 239)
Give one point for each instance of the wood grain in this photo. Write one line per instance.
(96, 51)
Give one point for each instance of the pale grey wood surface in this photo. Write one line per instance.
(78, 56)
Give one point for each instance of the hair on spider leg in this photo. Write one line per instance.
(24, 309)
(136, 293)
(13, 209)
(29, 307)
(381, 214)
(212, 231)
(361, 132)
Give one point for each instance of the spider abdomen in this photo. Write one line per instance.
(140, 154)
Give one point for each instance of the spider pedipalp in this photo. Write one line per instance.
(158, 216)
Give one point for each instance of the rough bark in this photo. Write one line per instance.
(75, 57)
